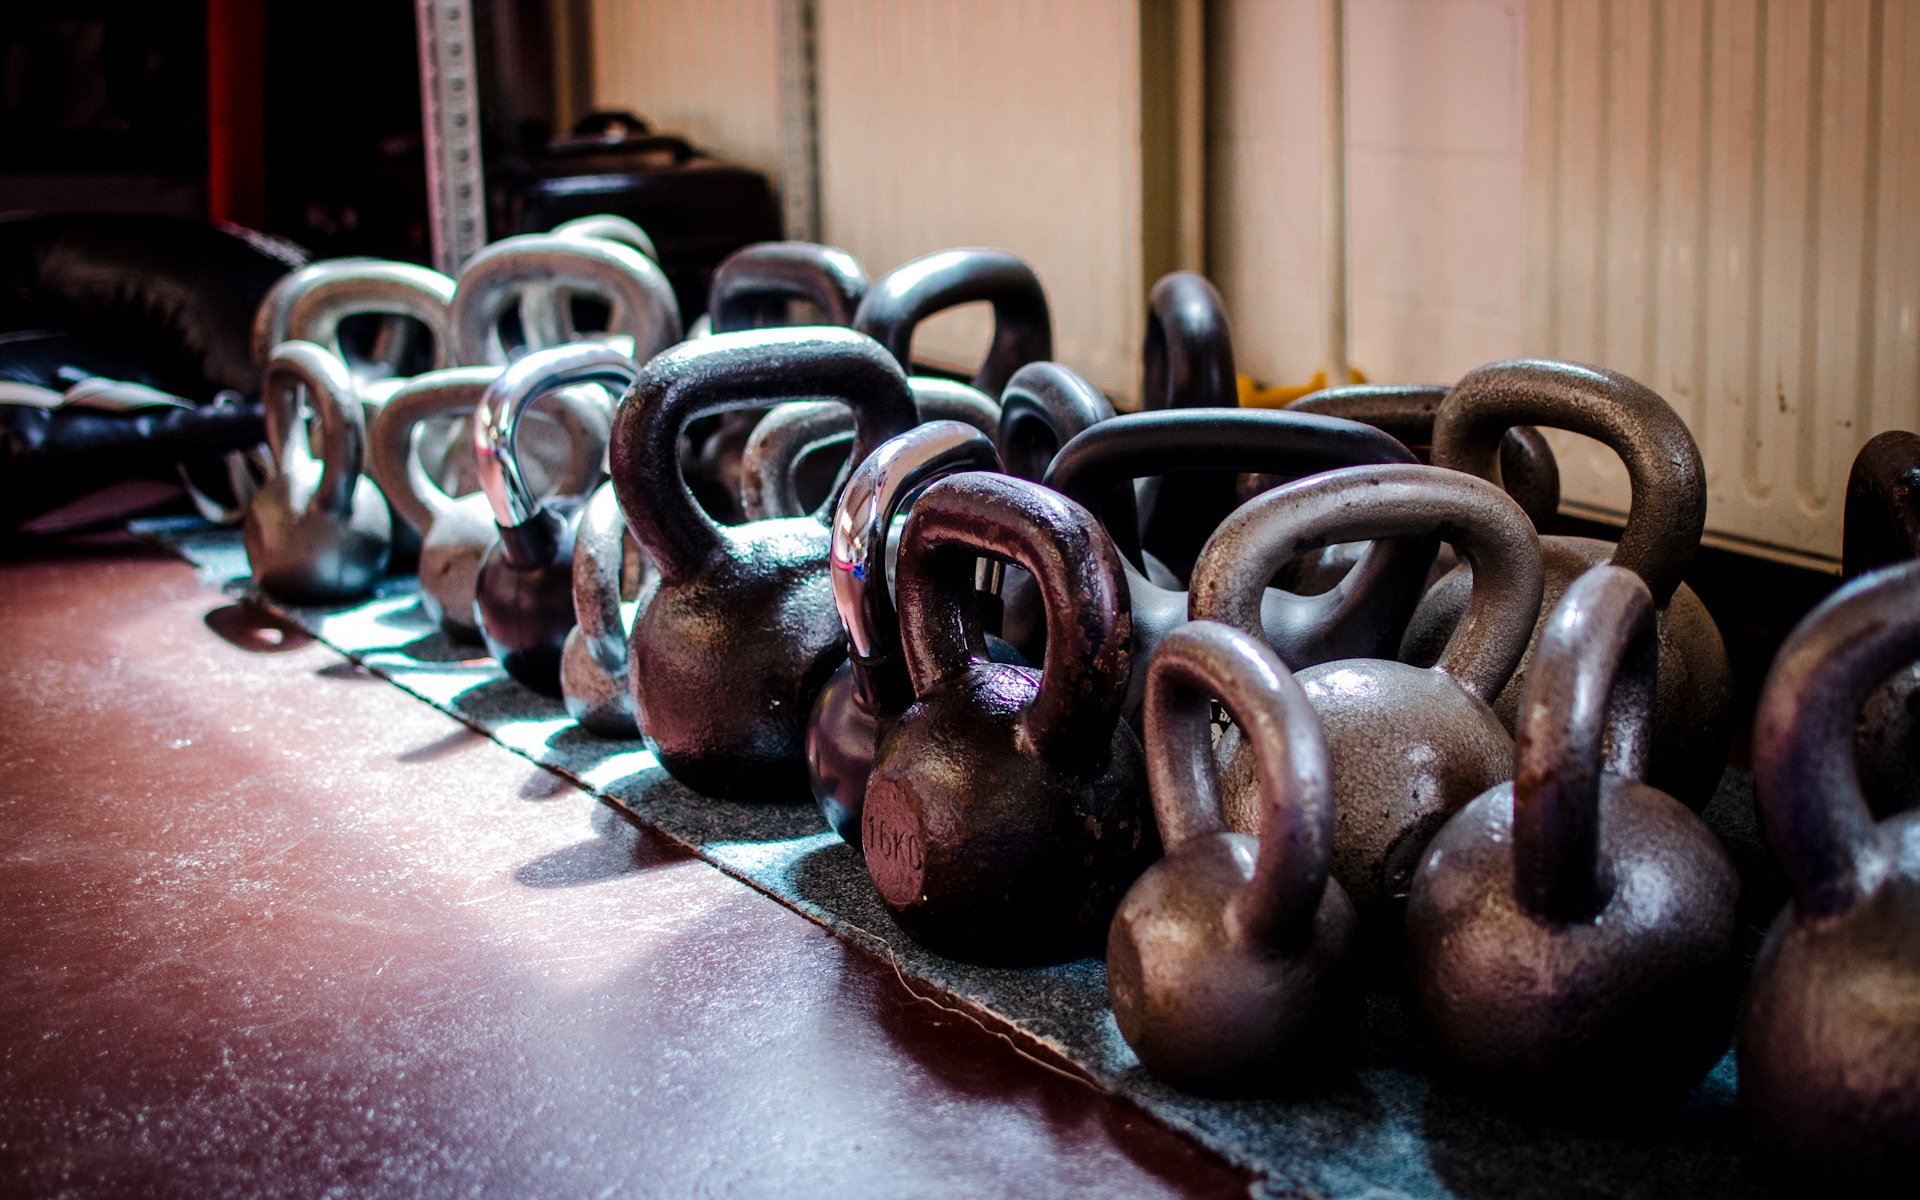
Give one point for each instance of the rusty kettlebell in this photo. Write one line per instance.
(871, 689)
(523, 594)
(741, 633)
(1229, 960)
(1187, 362)
(914, 291)
(796, 456)
(1410, 745)
(644, 316)
(1363, 618)
(612, 580)
(1692, 720)
(1571, 933)
(1829, 1045)
(456, 531)
(1882, 527)
(1007, 810)
(317, 532)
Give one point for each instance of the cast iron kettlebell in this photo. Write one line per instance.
(556, 311)
(523, 595)
(797, 455)
(644, 320)
(318, 531)
(1410, 745)
(1829, 1044)
(456, 531)
(612, 580)
(1363, 618)
(1228, 961)
(914, 291)
(1042, 408)
(1187, 363)
(741, 633)
(1007, 810)
(313, 303)
(871, 689)
(1692, 720)
(1882, 527)
(1571, 933)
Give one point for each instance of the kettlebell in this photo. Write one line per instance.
(1410, 745)
(611, 580)
(1692, 723)
(914, 291)
(1042, 408)
(797, 455)
(455, 532)
(871, 689)
(644, 320)
(523, 594)
(563, 315)
(1882, 527)
(741, 633)
(329, 292)
(1361, 619)
(1007, 810)
(764, 285)
(318, 531)
(1571, 933)
(1829, 1045)
(1528, 470)
(1187, 363)
(1229, 960)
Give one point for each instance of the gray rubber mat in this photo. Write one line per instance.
(1384, 1127)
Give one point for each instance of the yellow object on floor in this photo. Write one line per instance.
(1254, 395)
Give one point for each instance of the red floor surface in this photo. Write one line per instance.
(275, 928)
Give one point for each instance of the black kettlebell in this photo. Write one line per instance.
(1229, 960)
(523, 595)
(1882, 527)
(1042, 408)
(1410, 745)
(1571, 933)
(871, 688)
(1363, 618)
(1187, 362)
(1007, 809)
(914, 291)
(1829, 1045)
(741, 633)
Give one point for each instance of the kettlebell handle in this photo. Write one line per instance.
(749, 369)
(1586, 708)
(297, 366)
(1089, 618)
(610, 227)
(496, 418)
(914, 291)
(1882, 523)
(642, 300)
(1043, 407)
(756, 276)
(372, 286)
(1187, 361)
(602, 538)
(1804, 771)
(1205, 659)
(1668, 508)
(883, 485)
(1393, 501)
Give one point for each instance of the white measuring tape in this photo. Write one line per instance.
(450, 116)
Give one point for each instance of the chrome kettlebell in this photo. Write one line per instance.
(318, 531)
(1829, 1045)
(1187, 362)
(914, 291)
(523, 594)
(1882, 527)
(1571, 934)
(612, 579)
(1410, 745)
(741, 633)
(1007, 809)
(1229, 960)
(455, 532)
(555, 313)
(1362, 618)
(871, 689)
(313, 303)
(645, 317)
(797, 455)
(1692, 722)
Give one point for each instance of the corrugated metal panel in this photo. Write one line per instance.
(1722, 203)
